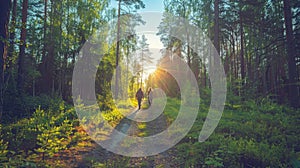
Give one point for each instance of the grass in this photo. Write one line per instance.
(245, 136)
(143, 132)
(249, 134)
(171, 109)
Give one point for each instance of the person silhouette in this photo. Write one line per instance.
(150, 96)
(139, 96)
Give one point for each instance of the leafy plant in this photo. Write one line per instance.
(53, 132)
(214, 160)
(3, 148)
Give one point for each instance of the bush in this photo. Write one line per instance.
(3, 148)
(21, 137)
(53, 132)
(18, 107)
(46, 132)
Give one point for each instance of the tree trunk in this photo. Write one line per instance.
(47, 66)
(45, 28)
(4, 19)
(291, 51)
(216, 26)
(235, 56)
(243, 74)
(13, 32)
(22, 48)
(117, 53)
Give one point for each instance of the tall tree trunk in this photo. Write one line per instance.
(4, 19)
(291, 51)
(12, 26)
(22, 48)
(216, 26)
(188, 49)
(8, 66)
(117, 53)
(216, 58)
(61, 58)
(65, 59)
(236, 58)
(45, 28)
(233, 60)
(47, 66)
(142, 71)
(243, 74)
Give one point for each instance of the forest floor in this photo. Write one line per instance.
(248, 135)
(90, 154)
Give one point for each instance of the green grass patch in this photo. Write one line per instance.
(171, 109)
(251, 135)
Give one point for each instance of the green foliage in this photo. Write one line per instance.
(21, 140)
(52, 103)
(54, 132)
(46, 132)
(113, 117)
(165, 81)
(3, 147)
(254, 134)
(105, 102)
(24, 106)
(20, 136)
(171, 109)
(214, 160)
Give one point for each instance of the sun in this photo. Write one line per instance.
(149, 70)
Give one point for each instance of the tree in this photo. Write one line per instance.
(242, 56)
(12, 28)
(129, 3)
(291, 51)
(4, 19)
(21, 58)
(145, 56)
(216, 26)
(117, 52)
(249, 36)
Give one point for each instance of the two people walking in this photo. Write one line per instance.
(140, 95)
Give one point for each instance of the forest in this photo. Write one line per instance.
(71, 70)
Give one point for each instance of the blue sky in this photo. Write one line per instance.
(153, 5)
(150, 5)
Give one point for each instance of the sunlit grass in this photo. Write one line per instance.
(171, 109)
(142, 126)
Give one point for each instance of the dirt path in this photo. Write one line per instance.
(93, 155)
(143, 129)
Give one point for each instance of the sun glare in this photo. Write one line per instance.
(149, 70)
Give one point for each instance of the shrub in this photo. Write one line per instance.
(3, 148)
(20, 136)
(53, 132)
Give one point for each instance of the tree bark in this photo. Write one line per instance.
(216, 26)
(47, 65)
(22, 48)
(4, 19)
(117, 53)
(291, 52)
(243, 73)
(13, 32)
(45, 28)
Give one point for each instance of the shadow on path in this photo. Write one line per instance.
(130, 127)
